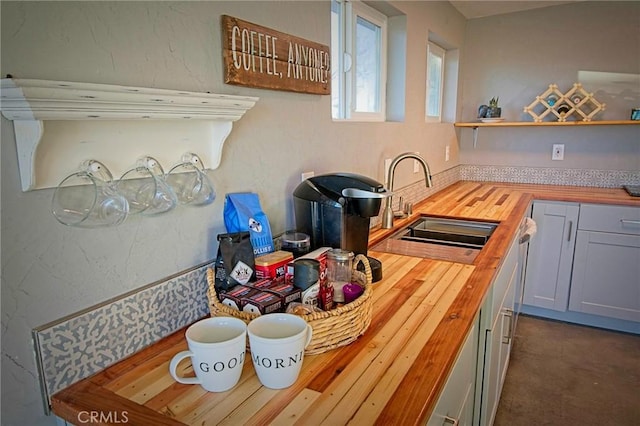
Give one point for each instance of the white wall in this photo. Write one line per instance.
(49, 270)
(517, 56)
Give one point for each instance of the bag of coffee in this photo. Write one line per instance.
(242, 212)
(235, 263)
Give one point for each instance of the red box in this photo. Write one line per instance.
(233, 297)
(261, 284)
(262, 302)
(325, 296)
(287, 292)
(272, 265)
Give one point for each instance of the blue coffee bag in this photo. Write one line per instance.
(242, 212)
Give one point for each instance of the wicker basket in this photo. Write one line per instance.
(331, 329)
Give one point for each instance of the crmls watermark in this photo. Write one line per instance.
(112, 417)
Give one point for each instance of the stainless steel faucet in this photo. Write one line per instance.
(387, 215)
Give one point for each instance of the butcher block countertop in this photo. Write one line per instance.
(393, 374)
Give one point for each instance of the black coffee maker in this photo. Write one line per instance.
(335, 210)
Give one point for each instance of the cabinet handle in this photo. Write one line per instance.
(451, 421)
(570, 229)
(629, 222)
(509, 314)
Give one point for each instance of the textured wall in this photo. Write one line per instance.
(49, 271)
(517, 56)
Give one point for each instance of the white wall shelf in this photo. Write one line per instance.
(60, 124)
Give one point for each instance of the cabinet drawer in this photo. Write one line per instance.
(607, 218)
(498, 291)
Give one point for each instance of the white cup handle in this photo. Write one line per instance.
(309, 335)
(174, 365)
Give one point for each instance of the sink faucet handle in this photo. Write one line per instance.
(408, 208)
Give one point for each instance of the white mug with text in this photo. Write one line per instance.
(217, 348)
(277, 342)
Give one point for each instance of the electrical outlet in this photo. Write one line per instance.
(446, 153)
(307, 175)
(558, 151)
(416, 165)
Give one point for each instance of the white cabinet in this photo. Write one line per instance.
(584, 265)
(496, 332)
(455, 405)
(606, 271)
(472, 391)
(506, 330)
(548, 272)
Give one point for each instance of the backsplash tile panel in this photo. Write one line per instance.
(550, 176)
(80, 345)
(418, 191)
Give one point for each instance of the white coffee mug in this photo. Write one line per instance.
(277, 343)
(217, 348)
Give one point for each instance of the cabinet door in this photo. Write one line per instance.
(495, 345)
(548, 273)
(507, 330)
(606, 275)
(457, 398)
(497, 354)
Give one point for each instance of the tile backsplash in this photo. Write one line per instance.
(82, 344)
(418, 191)
(550, 176)
(514, 174)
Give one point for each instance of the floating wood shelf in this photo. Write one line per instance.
(59, 124)
(548, 123)
(477, 124)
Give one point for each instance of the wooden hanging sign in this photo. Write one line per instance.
(257, 56)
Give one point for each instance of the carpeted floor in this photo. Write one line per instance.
(565, 374)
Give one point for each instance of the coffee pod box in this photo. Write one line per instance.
(325, 295)
(262, 302)
(233, 297)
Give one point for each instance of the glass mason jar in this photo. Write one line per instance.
(339, 264)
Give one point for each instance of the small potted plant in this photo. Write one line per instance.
(494, 110)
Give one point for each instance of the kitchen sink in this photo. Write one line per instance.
(453, 232)
(457, 240)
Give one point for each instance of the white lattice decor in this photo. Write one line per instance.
(576, 103)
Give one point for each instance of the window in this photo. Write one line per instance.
(435, 82)
(358, 54)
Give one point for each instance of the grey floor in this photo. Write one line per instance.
(565, 374)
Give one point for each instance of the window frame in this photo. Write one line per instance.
(438, 51)
(349, 11)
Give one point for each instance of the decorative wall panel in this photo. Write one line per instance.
(82, 344)
(550, 176)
